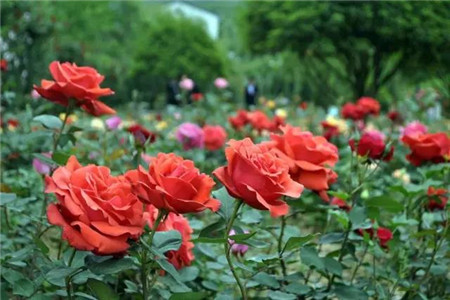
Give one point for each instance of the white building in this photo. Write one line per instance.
(210, 20)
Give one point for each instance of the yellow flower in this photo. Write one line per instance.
(280, 112)
(70, 119)
(340, 123)
(271, 104)
(98, 123)
(161, 125)
(402, 175)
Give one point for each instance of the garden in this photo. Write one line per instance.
(303, 153)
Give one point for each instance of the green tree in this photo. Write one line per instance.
(363, 44)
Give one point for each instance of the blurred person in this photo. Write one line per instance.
(173, 92)
(251, 91)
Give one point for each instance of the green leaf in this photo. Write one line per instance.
(57, 276)
(45, 159)
(49, 121)
(242, 237)
(310, 257)
(251, 216)
(41, 245)
(267, 280)
(188, 273)
(208, 240)
(23, 287)
(189, 295)
(331, 238)
(169, 268)
(297, 242)
(297, 288)
(357, 216)
(333, 266)
(339, 194)
(6, 198)
(349, 293)
(167, 240)
(277, 295)
(60, 158)
(101, 290)
(108, 265)
(227, 203)
(11, 275)
(386, 203)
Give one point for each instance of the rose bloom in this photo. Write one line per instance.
(4, 64)
(340, 203)
(276, 122)
(372, 145)
(97, 212)
(330, 130)
(215, 137)
(113, 123)
(257, 176)
(142, 134)
(173, 184)
(259, 120)
(394, 116)
(187, 84)
(13, 124)
(183, 256)
(433, 147)
(221, 83)
(237, 249)
(309, 158)
(42, 167)
(303, 105)
(384, 235)
(352, 111)
(81, 84)
(240, 120)
(190, 135)
(434, 194)
(370, 106)
(197, 97)
(413, 128)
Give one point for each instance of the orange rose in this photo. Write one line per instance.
(434, 147)
(240, 120)
(256, 175)
(259, 120)
(309, 157)
(184, 255)
(96, 211)
(215, 137)
(79, 83)
(173, 184)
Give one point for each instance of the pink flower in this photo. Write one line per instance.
(413, 128)
(221, 83)
(35, 95)
(113, 123)
(42, 167)
(187, 84)
(237, 248)
(190, 135)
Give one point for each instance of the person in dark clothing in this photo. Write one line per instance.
(250, 92)
(173, 92)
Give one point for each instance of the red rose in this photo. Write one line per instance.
(259, 120)
(434, 147)
(369, 105)
(372, 145)
(384, 235)
(276, 122)
(256, 175)
(183, 256)
(240, 120)
(97, 212)
(196, 97)
(303, 105)
(394, 116)
(330, 130)
(141, 134)
(352, 111)
(4, 65)
(173, 184)
(14, 123)
(340, 203)
(79, 83)
(215, 137)
(434, 194)
(309, 158)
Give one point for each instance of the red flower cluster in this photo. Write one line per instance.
(215, 137)
(183, 256)
(384, 235)
(433, 147)
(257, 119)
(437, 199)
(372, 145)
(364, 106)
(81, 84)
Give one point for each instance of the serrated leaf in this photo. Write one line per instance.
(167, 240)
(227, 203)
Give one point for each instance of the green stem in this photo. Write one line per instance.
(72, 256)
(227, 249)
(280, 246)
(66, 117)
(359, 263)
(8, 225)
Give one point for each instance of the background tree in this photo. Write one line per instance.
(363, 44)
